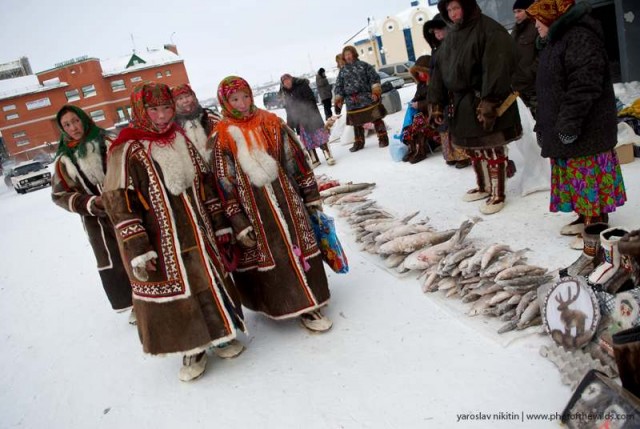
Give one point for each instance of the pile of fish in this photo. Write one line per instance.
(494, 280)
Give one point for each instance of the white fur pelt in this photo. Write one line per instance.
(194, 130)
(257, 164)
(91, 164)
(176, 164)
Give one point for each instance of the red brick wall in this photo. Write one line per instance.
(39, 124)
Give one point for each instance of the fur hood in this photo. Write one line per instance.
(421, 65)
(427, 31)
(470, 10)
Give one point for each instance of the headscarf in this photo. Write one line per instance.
(141, 127)
(77, 148)
(181, 89)
(262, 125)
(548, 11)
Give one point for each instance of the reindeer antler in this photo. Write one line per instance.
(570, 300)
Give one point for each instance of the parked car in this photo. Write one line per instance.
(30, 175)
(44, 158)
(389, 83)
(272, 100)
(7, 168)
(399, 70)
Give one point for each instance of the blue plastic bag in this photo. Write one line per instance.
(332, 252)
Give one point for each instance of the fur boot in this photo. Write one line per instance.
(358, 132)
(626, 349)
(497, 165)
(421, 150)
(483, 185)
(327, 154)
(607, 269)
(381, 131)
(588, 260)
(410, 152)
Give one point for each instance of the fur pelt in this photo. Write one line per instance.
(257, 164)
(91, 165)
(196, 133)
(176, 165)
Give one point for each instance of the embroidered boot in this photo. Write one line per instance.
(229, 350)
(626, 350)
(421, 152)
(193, 366)
(327, 154)
(482, 179)
(588, 260)
(358, 132)
(410, 152)
(611, 264)
(381, 131)
(315, 321)
(498, 176)
(315, 161)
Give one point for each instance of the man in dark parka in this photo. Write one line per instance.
(479, 58)
(525, 35)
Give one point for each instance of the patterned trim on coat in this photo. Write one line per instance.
(130, 229)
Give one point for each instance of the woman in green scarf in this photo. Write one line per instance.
(80, 168)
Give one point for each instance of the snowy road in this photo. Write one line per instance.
(394, 359)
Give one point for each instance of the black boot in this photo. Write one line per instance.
(358, 132)
(410, 152)
(626, 349)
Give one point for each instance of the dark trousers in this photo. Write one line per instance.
(326, 103)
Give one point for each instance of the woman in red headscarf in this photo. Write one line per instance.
(268, 190)
(159, 195)
(576, 120)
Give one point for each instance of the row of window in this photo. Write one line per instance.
(119, 85)
(87, 91)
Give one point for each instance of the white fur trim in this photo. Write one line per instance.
(176, 165)
(224, 231)
(91, 164)
(141, 260)
(198, 137)
(257, 164)
(242, 234)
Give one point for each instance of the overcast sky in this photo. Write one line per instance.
(258, 40)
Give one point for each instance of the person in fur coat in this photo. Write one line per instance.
(268, 191)
(358, 86)
(197, 122)
(79, 172)
(472, 79)
(160, 195)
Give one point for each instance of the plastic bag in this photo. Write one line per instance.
(332, 252)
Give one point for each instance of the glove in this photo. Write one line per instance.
(487, 113)
(567, 138)
(338, 102)
(247, 238)
(97, 207)
(376, 92)
(436, 117)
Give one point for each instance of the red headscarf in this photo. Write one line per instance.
(548, 11)
(265, 125)
(141, 127)
(178, 90)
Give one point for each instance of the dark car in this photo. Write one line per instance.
(389, 83)
(272, 100)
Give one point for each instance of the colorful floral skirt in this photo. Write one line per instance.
(312, 140)
(418, 130)
(588, 185)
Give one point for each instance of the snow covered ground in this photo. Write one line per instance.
(395, 358)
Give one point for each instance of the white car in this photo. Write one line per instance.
(30, 175)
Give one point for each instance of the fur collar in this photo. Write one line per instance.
(91, 164)
(196, 133)
(256, 163)
(175, 163)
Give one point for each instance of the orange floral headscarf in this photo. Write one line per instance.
(548, 11)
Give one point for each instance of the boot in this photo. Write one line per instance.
(498, 176)
(574, 228)
(315, 161)
(611, 264)
(358, 143)
(381, 131)
(327, 154)
(482, 179)
(410, 153)
(229, 350)
(421, 153)
(588, 260)
(315, 321)
(132, 317)
(383, 141)
(626, 350)
(193, 366)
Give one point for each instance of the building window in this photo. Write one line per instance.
(19, 134)
(136, 79)
(118, 85)
(390, 27)
(370, 48)
(12, 116)
(38, 104)
(167, 73)
(97, 115)
(420, 18)
(8, 107)
(129, 110)
(159, 75)
(120, 113)
(72, 95)
(22, 142)
(89, 91)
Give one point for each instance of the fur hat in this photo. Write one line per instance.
(427, 30)
(470, 9)
(421, 66)
(522, 4)
(548, 11)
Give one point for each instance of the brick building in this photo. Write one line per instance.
(28, 104)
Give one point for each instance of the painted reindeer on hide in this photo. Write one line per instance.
(571, 318)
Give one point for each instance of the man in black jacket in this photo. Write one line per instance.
(525, 34)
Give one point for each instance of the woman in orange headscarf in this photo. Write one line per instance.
(268, 191)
